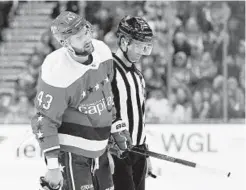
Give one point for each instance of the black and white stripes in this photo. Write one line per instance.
(128, 89)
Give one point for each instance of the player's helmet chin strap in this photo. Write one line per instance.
(125, 54)
(66, 44)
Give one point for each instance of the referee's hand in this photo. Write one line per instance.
(148, 167)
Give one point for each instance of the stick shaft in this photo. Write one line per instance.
(179, 161)
(164, 157)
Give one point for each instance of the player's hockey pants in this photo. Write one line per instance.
(78, 172)
(129, 173)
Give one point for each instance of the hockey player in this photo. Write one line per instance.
(74, 106)
(134, 40)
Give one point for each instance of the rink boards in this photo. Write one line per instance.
(217, 146)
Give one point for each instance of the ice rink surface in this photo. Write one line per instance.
(23, 174)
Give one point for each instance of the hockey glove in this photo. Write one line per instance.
(114, 149)
(121, 135)
(53, 178)
(46, 186)
(123, 140)
(120, 140)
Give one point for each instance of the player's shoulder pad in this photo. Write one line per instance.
(102, 50)
(58, 71)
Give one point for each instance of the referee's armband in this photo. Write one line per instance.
(118, 126)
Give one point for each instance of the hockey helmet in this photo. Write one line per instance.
(137, 30)
(67, 24)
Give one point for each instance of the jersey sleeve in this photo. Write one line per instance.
(50, 104)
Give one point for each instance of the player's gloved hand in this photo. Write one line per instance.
(123, 139)
(52, 180)
(121, 135)
(44, 185)
(113, 148)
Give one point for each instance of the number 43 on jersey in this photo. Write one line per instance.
(44, 100)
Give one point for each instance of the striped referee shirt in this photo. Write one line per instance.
(129, 97)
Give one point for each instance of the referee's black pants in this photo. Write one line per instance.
(129, 173)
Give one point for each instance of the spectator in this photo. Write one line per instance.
(34, 63)
(28, 79)
(91, 8)
(207, 91)
(104, 21)
(216, 102)
(203, 70)
(236, 98)
(162, 46)
(5, 8)
(150, 10)
(216, 111)
(193, 33)
(184, 99)
(154, 106)
(153, 81)
(183, 12)
(42, 49)
(233, 69)
(200, 109)
(218, 85)
(242, 78)
(175, 113)
(161, 110)
(28, 86)
(203, 17)
(5, 99)
(193, 62)
(180, 60)
(45, 38)
(160, 68)
(180, 73)
(234, 38)
(220, 13)
(72, 6)
(181, 44)
(110, 38)
(48, 40)
(60, 6)
(240, 62)
(147, 61)
(240, 56)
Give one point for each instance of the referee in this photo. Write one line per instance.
(134, 39)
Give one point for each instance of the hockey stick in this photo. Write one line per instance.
(179, 161)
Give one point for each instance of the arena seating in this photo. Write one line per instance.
(20, 38)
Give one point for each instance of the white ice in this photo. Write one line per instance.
(23, 174)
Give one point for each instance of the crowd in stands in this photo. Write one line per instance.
(7, 9)
(185, 72)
